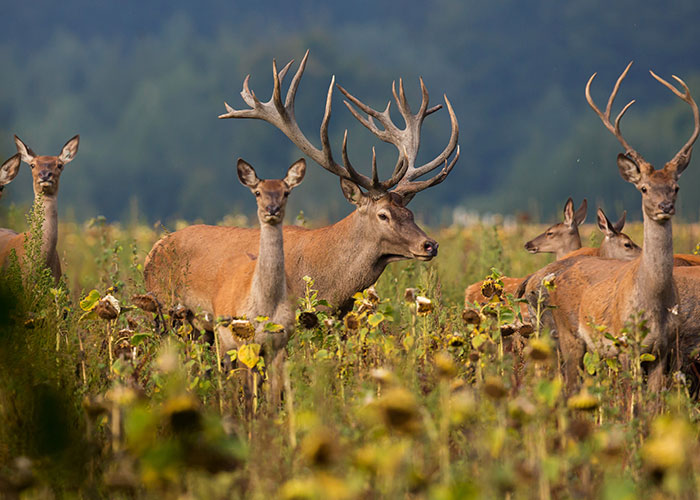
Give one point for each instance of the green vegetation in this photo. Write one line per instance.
(407, 397)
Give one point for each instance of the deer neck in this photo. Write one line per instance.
(574, 244)
(655, 272)
(348, 258)
(269, 287)
(657, 253)
(49, 227)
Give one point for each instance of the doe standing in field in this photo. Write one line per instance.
(260, 287)
(46, 172)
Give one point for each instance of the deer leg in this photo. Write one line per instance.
(572, 350)
(275, 379)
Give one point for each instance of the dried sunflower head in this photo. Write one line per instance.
(424, 306)
(399, 410)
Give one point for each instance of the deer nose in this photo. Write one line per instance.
(666, 207)
(431, 247)
(273, 209)
(45, 175)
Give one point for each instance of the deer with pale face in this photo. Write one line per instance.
(46, 172)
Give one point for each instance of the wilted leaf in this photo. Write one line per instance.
(90, 301)
(375, 319)
(249, 355)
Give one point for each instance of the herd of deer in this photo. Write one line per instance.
(219, 271)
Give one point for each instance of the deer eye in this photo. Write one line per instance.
(257, 193)
(382, 216)
(644, 189)
(286, 193)
(550, 233)
(676, 189)
(32, 165)
(628, 245)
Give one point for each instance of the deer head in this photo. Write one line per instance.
(658, 188)
(271, 194)
(46, 170)
(381, 205)
(616, 244)
(9, 170)
(563, 237)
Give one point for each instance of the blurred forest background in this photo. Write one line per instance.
(143, 83)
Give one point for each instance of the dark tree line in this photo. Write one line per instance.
(143, 82)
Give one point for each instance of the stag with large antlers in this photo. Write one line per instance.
(614, 291)
(343, 258)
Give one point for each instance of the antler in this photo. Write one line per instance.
(605, 117)
(683, 156)
(405, 140)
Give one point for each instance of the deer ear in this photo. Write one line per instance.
(246, 174)
(569, 212)
(9, 169)
(580, 215)
(629, 170)
(620, 223)
(295, 173)
(680, 164)
(24, 151)
(604, 224)
(70, 149)
(352, 192)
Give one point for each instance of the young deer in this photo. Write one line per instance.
(343, 258)
(646, 284)
(561, 238)
(46, 171)
(262, 289)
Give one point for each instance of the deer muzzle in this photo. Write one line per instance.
(667, 207)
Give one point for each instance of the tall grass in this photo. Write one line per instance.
(402, 398)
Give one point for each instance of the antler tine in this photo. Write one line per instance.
(605, 117)
(276, 91)
(685, 96)
(400, 99)
(415, 172)
(292, 92)
(354, 175)
(409, 189)
(375, 175)
(390, 132)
